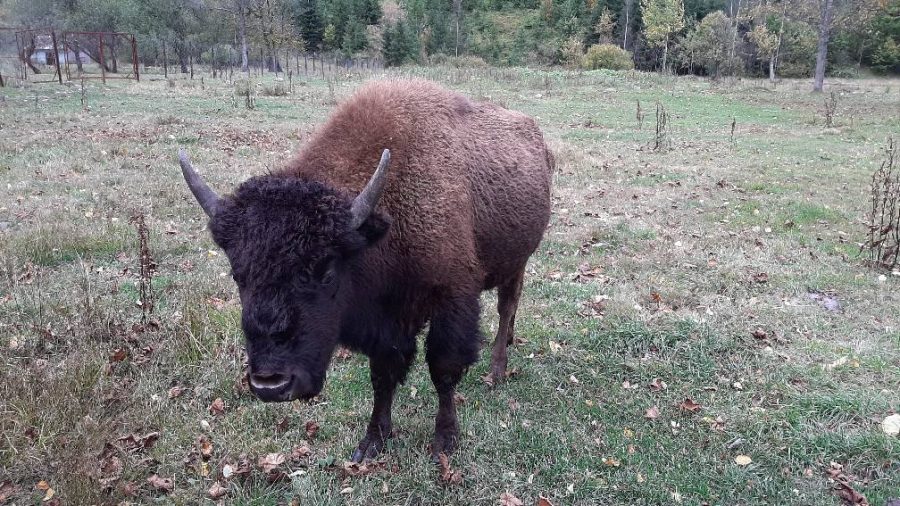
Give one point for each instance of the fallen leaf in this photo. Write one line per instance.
(164, 485)
(652, 413)
(42, 485)
(543, 501)
(343, 353)
(657, 385)
(205, 446)
(346, 491)
(448, 475)
(311, 429)
(300, 451)
(129, 489)
(217, 407)
(507, 499)
(7, 490)
(271, 461)
(217, 491)
(761, 277)
(361, 469)
(743, 460)
(118, 355)
(134, 443)
(611, 461)
(243, 467)
(282, 425)
(689, 405)
(458, 399)
(175, 392)
(48, 495)
(850, 495)
(891, 425)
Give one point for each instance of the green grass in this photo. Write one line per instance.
(680, 239)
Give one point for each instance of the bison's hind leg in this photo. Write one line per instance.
(452, 345)
(508, 294)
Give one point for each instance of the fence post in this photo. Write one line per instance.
(56, 54)
(102, 60)
(134, 59)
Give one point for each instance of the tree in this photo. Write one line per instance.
(822, 51)
(766, 46)
(662, 19)
(309, 21)
(709, 44)
(604, 27)
(399, 44)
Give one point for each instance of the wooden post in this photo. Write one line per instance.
(102, 61)
(134, 59)
(56, 55)
(165, 62)
(191, 59)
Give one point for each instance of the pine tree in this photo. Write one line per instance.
(309, 20)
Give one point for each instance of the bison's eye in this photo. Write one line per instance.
(324, 271)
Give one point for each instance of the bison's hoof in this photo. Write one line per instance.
(443, 443)
(368, 449)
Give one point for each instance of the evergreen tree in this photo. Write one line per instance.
(309, 21)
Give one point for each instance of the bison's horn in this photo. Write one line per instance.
(207, 198)
(365, 202)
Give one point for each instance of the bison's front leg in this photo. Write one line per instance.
(452, 346)
(386, 373)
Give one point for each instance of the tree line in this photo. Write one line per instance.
(787, 38)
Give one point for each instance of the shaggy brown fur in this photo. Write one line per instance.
(466, 203)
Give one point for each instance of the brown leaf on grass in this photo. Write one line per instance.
(448, 475)
(312, 428)
(217, 491)
(657, 385)
(129, 489)
(175, 391)
(586, 272)
(543, 501)
(689, 405)
(652, 413)
(118, 355)
(164, 485)
(850, 495)
(488, 379)
(110, 469)
(655, 297)
(760, 334)
(205, 446)
(217, 407)
(458, 399)
(271, 461)
(300, 452)
(7, 490)
(760, 277)
(243, 468)
(282, 425)
(343, 353)
(42, 485)
(507, 499)
(361, 469)
(135, 443)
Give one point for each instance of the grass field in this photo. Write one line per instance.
(687, 308)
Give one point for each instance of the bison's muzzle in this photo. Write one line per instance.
(271, 386)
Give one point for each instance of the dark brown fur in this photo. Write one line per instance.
(466, 204)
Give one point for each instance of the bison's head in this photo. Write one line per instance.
(291, 244)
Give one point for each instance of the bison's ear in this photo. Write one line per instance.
(374, 228)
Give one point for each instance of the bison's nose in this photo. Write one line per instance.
(269, 382)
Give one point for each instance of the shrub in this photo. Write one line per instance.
(607, 56)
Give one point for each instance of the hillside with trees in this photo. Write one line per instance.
(760, 38)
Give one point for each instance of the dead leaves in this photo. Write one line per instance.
(312, 428)
(164, 485)
(217, 408)
(175, 391)
(217, 491)
(843, 487)
(652, 413)
(134, 443)
(689, 405)
(543, 501)
(743, 460)
(7, 490)
(354, 469)
(448, 475)
(657, 385)
(891, 425)
(507, 499)
(271, 462)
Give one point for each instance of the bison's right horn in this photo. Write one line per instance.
(207, 198)
(364, 203)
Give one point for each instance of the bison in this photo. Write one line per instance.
(326, 252)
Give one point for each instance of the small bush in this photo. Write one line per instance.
(277, 89)
(242, 87)
(607, 56)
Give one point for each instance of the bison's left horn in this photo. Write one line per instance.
(207, 198)
(365, 202)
